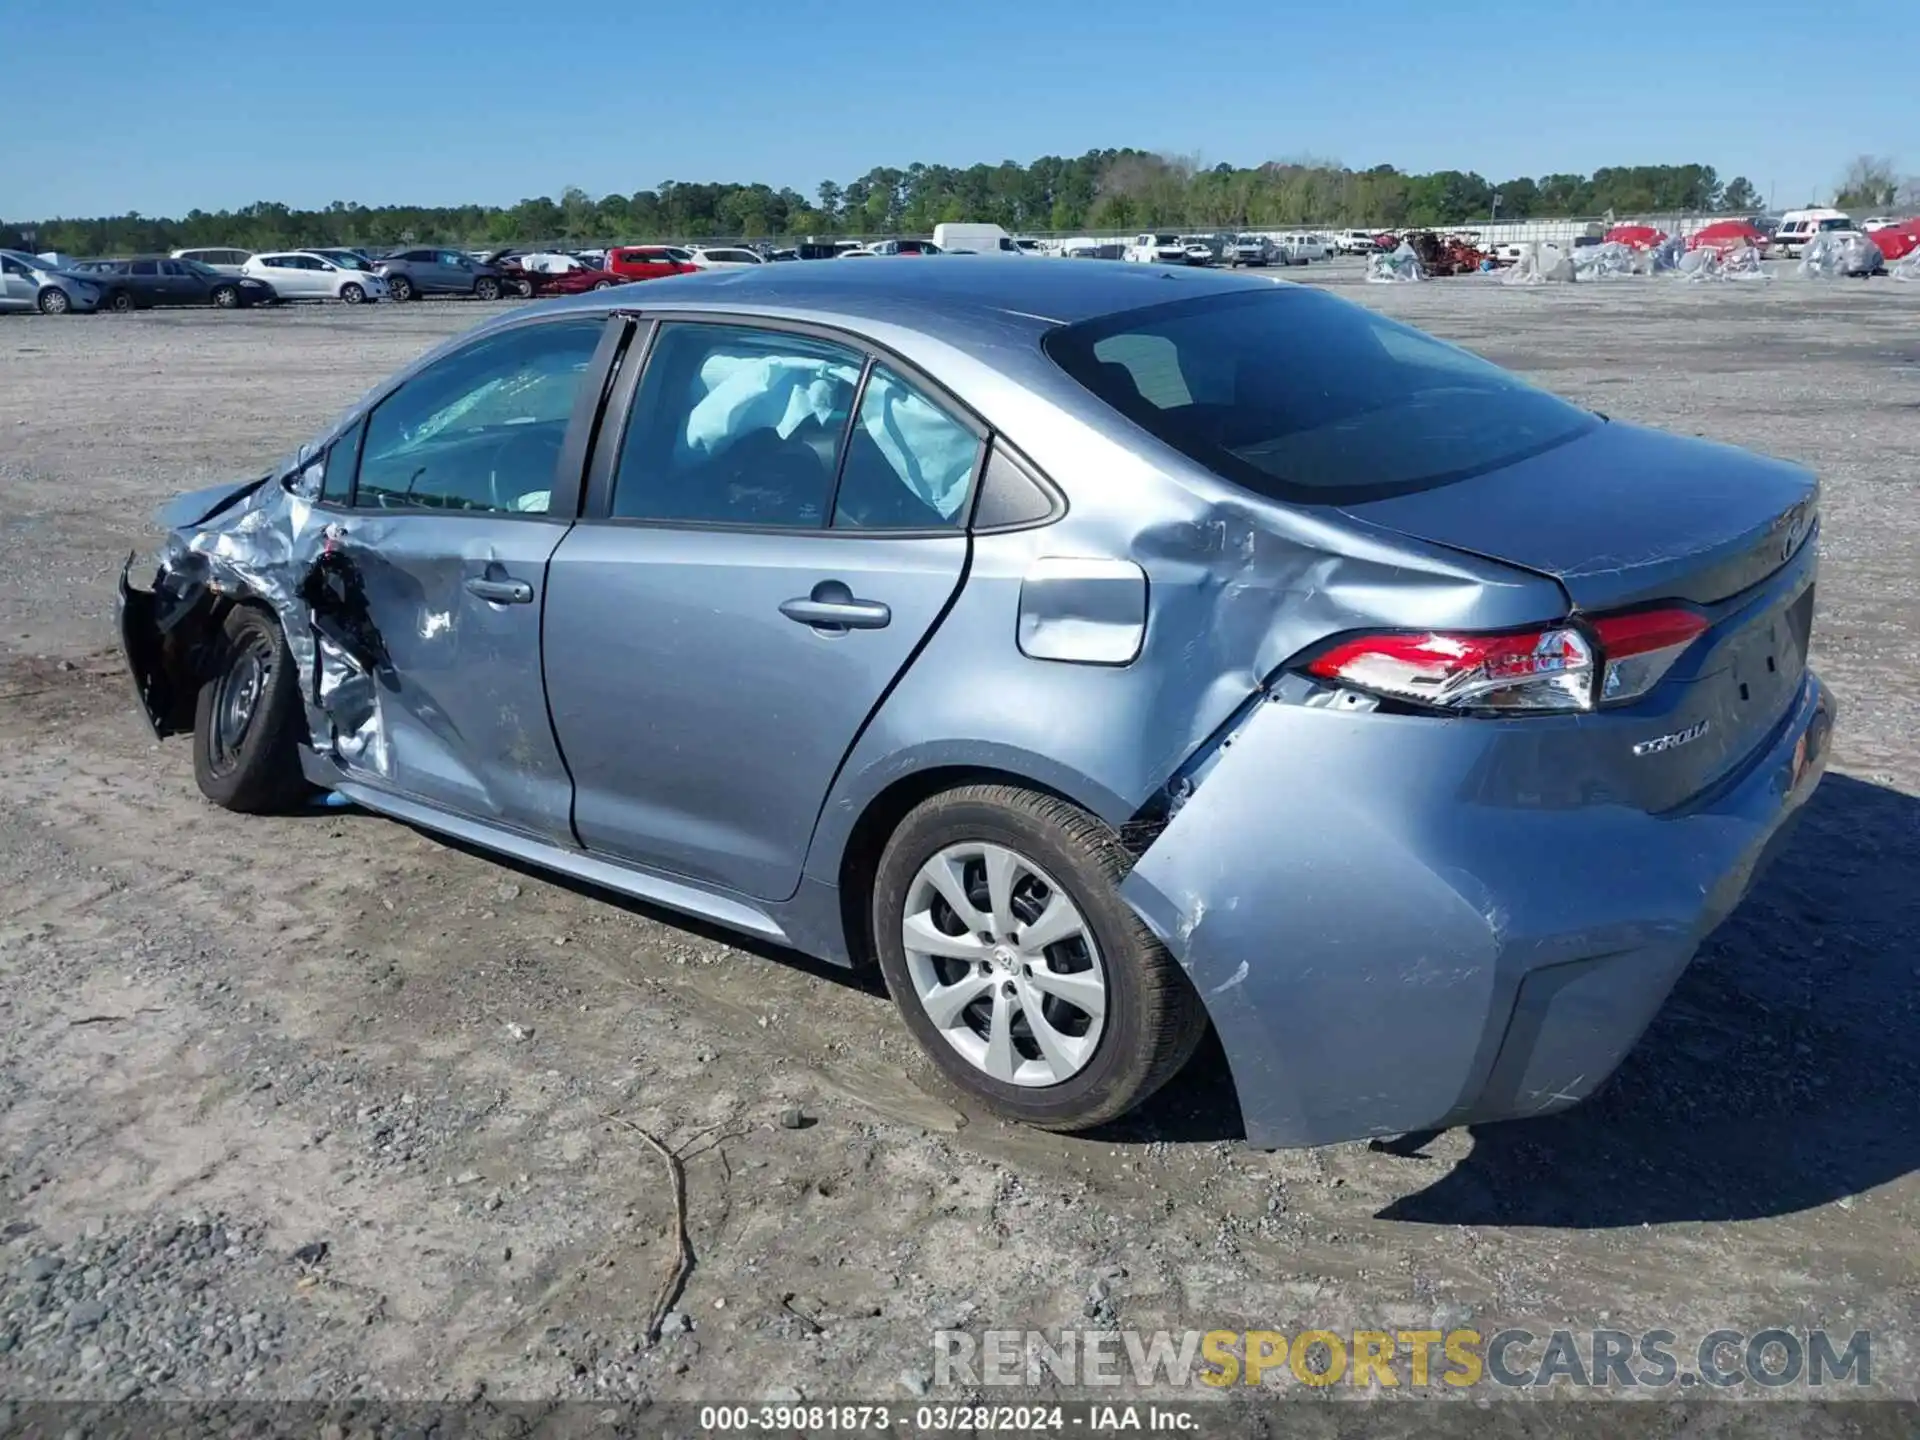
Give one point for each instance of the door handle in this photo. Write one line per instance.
(833, 609)
(502, 592)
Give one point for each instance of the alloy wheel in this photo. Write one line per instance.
(1004, 964)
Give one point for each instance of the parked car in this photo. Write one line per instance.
(1897, 239)
(1157, 249)
(148, 281)
(1199, 249)
(28, 282)
(576, 279)
(904, 247)
(724, 257)
(1357, 242)
(1247, 250)
(975, 239)
(303, 275)
(414, 273)
(650, 262)
(226, 260)
(1076, 790)
(1797, 227)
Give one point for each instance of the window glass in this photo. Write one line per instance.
(343, 460)
(145, 267)
(736, 427)
(482, 429)
(175, 269)
(1295, 393)
(14, 267)
(909, 464)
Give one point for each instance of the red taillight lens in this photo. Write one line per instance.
(1641, 647)
(1534, 670)
(1537, 670)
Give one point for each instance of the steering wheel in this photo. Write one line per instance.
(522, 464)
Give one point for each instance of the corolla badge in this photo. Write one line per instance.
(1673, 740)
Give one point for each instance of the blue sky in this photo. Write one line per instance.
(219, 103)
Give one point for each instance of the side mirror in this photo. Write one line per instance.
(308, 483)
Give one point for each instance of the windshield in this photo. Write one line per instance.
(32, 262)
(1296, 394)
(343, 257)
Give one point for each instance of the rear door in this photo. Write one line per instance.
(773, 527)
(464, 480)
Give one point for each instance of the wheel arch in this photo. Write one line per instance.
(855, 828)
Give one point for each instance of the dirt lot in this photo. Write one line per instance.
(224, 1039)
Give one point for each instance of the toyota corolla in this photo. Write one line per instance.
(1102, 651)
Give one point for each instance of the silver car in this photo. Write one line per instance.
(29, 283)
(1103, 652)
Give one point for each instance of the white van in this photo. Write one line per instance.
(1797, 227)
(975, 239)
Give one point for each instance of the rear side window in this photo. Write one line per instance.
(735, 426)
(909, 464)
(1298, 395)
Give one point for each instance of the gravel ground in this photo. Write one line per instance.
(318, 1106)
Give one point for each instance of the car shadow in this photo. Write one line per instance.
(1779, 1076)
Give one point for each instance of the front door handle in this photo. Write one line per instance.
(502, 592)
(833, 609)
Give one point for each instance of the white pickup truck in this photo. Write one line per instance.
(1161, 249)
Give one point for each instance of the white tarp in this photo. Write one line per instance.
(1710, 264)
(1598, 262)
(1907, 267)
(1400, 266)
(1538, 262)
(1832, 254)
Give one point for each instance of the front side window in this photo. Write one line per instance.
(909, 464)
(145, 267)
(482, 429)
(735, 426)
(1296, 394)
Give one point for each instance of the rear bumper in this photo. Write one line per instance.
(1386, 958)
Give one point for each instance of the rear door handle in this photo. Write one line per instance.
(833, 609)
(502, 592)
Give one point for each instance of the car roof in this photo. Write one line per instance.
(948, 301)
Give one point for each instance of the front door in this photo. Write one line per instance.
(448, 533)
(18, 290)
(779, 531)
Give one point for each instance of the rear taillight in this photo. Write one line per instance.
(1573, 666)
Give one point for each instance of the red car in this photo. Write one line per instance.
(1724, 235)
(1896, 242)
(576, 279)
(1640, 237)
(649, 262)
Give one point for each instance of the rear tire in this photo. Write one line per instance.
(1149, 1019)
(352, 294)
(120, 302)
(603, 284)
(486, 288)
(399, 289)
(246, 720)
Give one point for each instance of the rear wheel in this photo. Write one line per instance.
(524, 289)
(603, 284)
(246, 720)
(1004, 941)
(399, 288)
(227, 297)
(487, 288)
(120, 302)
(353, 294)
(54, 301)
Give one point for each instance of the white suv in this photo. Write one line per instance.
(303, 275)
(227, 262)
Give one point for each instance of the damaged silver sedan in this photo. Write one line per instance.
(1103, 651)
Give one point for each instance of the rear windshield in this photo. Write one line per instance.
(1298, 395)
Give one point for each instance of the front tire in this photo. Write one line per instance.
(486, 288)
(54, 301)
(246, 720)
(226, 297)
(399, 289)
(352, 294)
(1033, 986)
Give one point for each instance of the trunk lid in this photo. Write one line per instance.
(1621, 516)
(1624, 517)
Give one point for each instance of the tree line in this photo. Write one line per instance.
(1103, 190)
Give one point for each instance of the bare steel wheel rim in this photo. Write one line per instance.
(237, 702)
(1004, 964)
